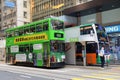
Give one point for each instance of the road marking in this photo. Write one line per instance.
(98, 77)
(110, 76)
(64, 70)
(24, 76)
(76, 79)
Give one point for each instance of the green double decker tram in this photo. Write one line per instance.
(40, 43)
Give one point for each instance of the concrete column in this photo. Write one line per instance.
(99, 18)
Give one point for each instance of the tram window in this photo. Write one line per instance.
(8, 50)
(31, 48)
(60, 25)
(45, 26)
(39, 28)
(86, 30)
(8, 34)
(32, 29)
(21, 48)
(60, 47)
(26, 48)
(16, 33)
(26, 31)
(57, 24)
(81, 31)
(54, 46)
(12, 33)
(53, 25)
(21, 32)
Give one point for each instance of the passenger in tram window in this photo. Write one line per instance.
(26, 31)
(55, 47)
(31, 31)
(16, 33)
(21, 33)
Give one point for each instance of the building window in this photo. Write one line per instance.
(25, 14)
(25, 22)
(25, 4)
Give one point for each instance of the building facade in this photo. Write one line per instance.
(104, 12)
(2, 48)
(44, 8)
(13, 13)
(0, 12)
(16, 14)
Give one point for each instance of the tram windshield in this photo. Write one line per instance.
(57, 25)
(57, 46)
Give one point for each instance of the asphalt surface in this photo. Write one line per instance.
(69, 72)
(6, 75)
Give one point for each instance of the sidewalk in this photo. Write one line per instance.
(2, 62)
(94, 67)
(88, 67)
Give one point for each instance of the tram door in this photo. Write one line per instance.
(45, 53)
(78, 54)
(91, 55)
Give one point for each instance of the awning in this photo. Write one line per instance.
(85, 6)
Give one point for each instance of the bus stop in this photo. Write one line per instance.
(72, 36)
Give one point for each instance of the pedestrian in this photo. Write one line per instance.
(107, 55)
(102, 58)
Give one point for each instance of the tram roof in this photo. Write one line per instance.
(84, 25)
(30, 24)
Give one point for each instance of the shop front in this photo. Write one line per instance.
(114, 37)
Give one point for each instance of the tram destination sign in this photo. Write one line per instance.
(58, 35)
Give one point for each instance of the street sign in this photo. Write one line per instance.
(112, 29)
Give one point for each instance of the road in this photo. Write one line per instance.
(6, 75)
(69, 72)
